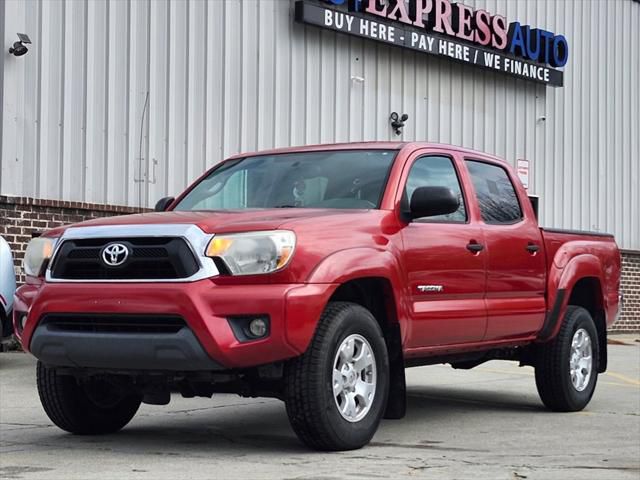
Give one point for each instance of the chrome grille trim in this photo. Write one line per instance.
(196, 239)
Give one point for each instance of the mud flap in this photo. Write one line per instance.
(397, 401)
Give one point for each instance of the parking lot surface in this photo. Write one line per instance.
(483, 423)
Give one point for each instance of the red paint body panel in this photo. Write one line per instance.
(498, 297)
(436, 254)
(204, 305)
(572, 257)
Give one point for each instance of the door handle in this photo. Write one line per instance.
(475, 247)
(532, 248)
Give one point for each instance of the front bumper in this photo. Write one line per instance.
(207, 344)
(178, 351)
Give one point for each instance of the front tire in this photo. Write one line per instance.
(567, 366)
(92, 407)
(336, 392)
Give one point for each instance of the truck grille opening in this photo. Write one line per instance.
(153, 258)
(114, 323)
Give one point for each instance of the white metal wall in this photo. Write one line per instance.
(124, 101)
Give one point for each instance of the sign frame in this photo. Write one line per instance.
(405, 36)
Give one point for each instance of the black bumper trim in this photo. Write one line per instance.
(180, 351)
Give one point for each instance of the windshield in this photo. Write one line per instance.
(352, 179)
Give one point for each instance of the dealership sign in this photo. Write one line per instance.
(446, 29)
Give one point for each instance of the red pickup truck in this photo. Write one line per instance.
(316, 275)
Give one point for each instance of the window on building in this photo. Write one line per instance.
(436, 171)
(496, 194)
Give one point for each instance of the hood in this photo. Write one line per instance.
(221, 221)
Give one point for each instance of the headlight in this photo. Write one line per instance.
(37, 256)
(253, 253)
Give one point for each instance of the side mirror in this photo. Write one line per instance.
(433, 201)
(164, 203)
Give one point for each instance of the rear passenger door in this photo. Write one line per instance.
(516, 270)
(445, 272)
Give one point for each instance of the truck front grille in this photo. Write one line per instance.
(79, 322)
(151, 258)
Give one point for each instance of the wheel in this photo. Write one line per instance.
(90, 407)
(336, 392)
(566, 367)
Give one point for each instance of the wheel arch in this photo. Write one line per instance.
(371, 277)
(363, 274)
(587, 293)
(376, 295)
(561, 282)
(580, 284)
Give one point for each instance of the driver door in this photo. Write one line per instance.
(446, 273)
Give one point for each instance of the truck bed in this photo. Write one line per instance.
(562, 246)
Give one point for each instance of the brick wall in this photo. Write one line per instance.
(629, 320)
(20, 217)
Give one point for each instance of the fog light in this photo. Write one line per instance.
(248, 328)
(258, 327)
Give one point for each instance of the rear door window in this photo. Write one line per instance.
(496, 195)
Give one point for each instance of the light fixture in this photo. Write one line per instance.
(258, 327)
(248, 328)
(19, 49)
(397, 122)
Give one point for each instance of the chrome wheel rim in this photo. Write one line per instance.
(354, 378)
(581, 360)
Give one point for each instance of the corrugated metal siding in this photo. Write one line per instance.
(126, 101)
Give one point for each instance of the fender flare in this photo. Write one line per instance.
(560, 285)
(365, 262)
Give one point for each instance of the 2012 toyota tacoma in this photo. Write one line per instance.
(316, 275)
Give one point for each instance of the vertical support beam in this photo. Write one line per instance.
(1, 81)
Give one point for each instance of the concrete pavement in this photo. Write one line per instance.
(484, 423)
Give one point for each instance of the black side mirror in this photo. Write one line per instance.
(164, 203)
(433, 201)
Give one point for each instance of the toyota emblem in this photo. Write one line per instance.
(115, 254)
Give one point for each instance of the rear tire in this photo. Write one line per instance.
(334, 403)
(84, 408)
(565, 375)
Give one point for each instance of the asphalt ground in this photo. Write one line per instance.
(483, 423)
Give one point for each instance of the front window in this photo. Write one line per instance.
(436, 171)
(350, 179)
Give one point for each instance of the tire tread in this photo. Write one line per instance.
(551, 362)
(69, 408)
(303, 407)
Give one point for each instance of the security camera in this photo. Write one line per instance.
(543, 118)
(397, 122)
(19, 49)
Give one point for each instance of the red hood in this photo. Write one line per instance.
(225, 221)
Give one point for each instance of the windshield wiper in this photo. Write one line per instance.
(285, 206)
